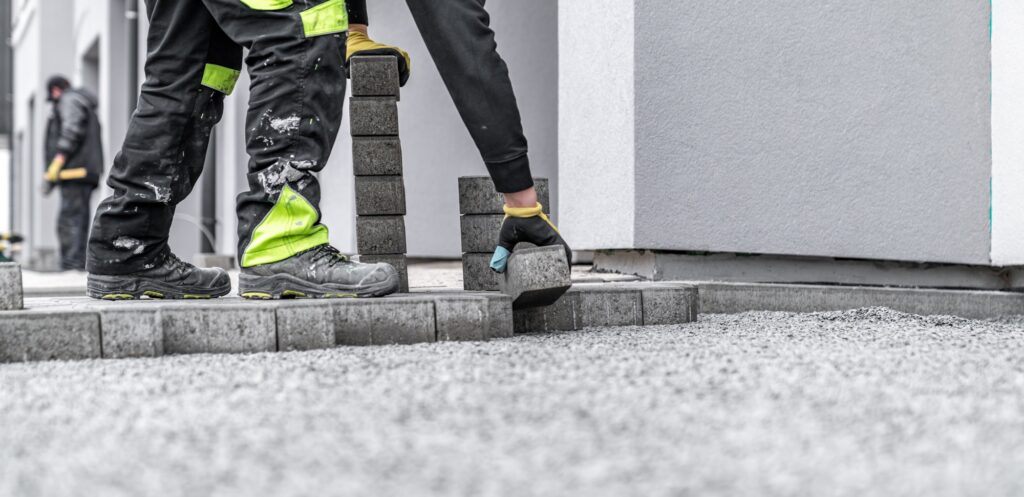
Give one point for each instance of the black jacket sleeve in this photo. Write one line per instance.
(357, 12)
(74, 123)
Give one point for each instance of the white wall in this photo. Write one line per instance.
(1007, 132)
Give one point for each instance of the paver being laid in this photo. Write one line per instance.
(536, 276)
(11, 292)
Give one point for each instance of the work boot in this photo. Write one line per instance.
(320, 272)
(170, 278)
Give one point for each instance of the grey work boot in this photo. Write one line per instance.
(170, 278)
(321, 272)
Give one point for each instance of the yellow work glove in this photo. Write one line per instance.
(360, 44)
(53, 171)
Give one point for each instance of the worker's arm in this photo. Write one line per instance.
(360, 43)
(74, 116)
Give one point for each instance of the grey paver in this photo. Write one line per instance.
(608, 305)
(536, 276)
(477, 274)
(223, 261)
(670, 304)
(11, 293)
(305, 325)
(480, 232)
(374, 76)
(131, 331)
(376, 155)
(373, 116)
(376, 235)
(218, 328)
(46, 335)
(384, 321)
(462, 317)
(563, 315)
(380, 195)
(397, 261)
(499, 308)
(478, 196)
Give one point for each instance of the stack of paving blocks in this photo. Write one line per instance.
(377, 163)
(482, 213)
(11, 293)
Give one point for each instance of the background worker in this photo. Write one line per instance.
(75, 152)
(458, 35)
(296, 65)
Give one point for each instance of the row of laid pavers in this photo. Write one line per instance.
(82, 328)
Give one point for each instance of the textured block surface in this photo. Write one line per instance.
(462, 317)
(480, 232)
(11, 293)
(384, 321)
(374, 116)
(561, 316)
(131, 331)
(609, 306)
(377, 155)
(478, 196)
(499, 309)
(377, 235)
(670, 304)
(305, 325)
(477, 274)
(536, 277)
(380, 196)
(218, 328)
(374, 76)
(398, 261)
(48, 335)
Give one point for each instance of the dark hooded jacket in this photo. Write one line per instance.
(74, 130)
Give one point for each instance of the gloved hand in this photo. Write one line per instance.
(525, 224)
(361, 44)
(53, 170)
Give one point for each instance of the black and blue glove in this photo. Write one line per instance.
(525, 224)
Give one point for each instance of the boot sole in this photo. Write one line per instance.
(286, 286)
(131, 288)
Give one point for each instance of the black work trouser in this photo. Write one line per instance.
(461, 42)
(73, 224)
(295, 63)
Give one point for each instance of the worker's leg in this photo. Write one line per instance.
(73, 224)
(191, 64)
(296, 63)
(460, 40)
(165, 147)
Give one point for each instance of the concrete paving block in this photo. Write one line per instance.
(376, 156)
(305, 325)
(399, 262)
(374, 76)
(223, 261)
(11, 292)
(536, 276)
(499, 309)
(380, 196)
(374, 116)
(670, 303)
(563, 315)
(380, 235)
(609, 305)
(218, 328)
(480, 232)
(477, 275)
(461, 318)
(131, 331)
(478, 196)
(384, 321)
(49, 335)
